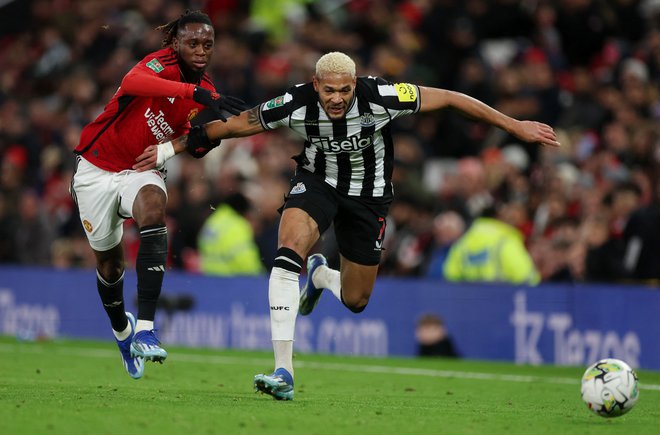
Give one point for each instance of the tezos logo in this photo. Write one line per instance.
(347, 144)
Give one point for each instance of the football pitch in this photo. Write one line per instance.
(80, 387)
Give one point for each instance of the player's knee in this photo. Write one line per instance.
(149, 206)
(356, 308)
(356, 304)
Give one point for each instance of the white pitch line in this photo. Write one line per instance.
(357, 368)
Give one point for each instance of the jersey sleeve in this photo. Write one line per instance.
(148, 79)
(276, 113)
(399, 99)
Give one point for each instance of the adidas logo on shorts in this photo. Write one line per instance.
(298, 188)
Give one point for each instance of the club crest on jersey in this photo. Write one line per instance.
(405, 92)
(298, 188)
(87, 225)
(155, 66)
(367, 120)
(275, 102)
(341, 145)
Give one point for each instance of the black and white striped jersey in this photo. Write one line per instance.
(355, 155)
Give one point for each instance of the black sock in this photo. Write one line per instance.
(112, 297)
(150, 268)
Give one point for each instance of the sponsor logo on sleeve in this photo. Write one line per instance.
(405, 92)
(155, 66)
(275, 102)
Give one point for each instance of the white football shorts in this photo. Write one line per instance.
(105, 200)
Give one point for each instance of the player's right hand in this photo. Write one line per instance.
(218, 103)
(536, 132)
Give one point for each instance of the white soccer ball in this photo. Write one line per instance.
(610, 388)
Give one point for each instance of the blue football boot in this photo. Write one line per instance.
(309, 294)
(278, 384)
(146, 345)
(134, 365)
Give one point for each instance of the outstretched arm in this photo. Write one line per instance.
(528, 131)
(141, 81)
(245, 124)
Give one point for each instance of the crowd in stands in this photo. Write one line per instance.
(587, 212)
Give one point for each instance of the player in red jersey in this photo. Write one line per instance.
(156, 101)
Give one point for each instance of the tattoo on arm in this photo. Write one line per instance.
(253, 116)
(180, 143)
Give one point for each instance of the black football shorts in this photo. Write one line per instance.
(359, 222)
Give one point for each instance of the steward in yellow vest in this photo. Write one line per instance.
(226, 245)
(491, 251)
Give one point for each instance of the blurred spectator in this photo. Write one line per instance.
(641, 259)
(432, 337)
(448, 227)
(552, 254)
(8, 224)
(226, 241)
(33, 232)
(603, 255)
(491, 250)
(192, 209)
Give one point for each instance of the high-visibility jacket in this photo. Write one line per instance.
(491, 251)
(226, 245)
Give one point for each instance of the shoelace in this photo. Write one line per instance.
(153, 334)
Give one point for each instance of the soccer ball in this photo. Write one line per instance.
(609, 387)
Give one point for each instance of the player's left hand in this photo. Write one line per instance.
(198, 143)
(536, 132)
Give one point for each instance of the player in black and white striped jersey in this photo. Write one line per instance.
(343, 178)
(353, 149)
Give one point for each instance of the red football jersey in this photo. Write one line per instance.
(156, 107)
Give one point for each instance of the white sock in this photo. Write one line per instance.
(283, 350)
(324, 277)
(283, 296)
(123, 335)
(144, 325)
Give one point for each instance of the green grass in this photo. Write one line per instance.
(71, 387)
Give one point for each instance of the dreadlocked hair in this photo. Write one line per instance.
(172, 28)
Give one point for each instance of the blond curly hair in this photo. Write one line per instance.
(335, 62)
